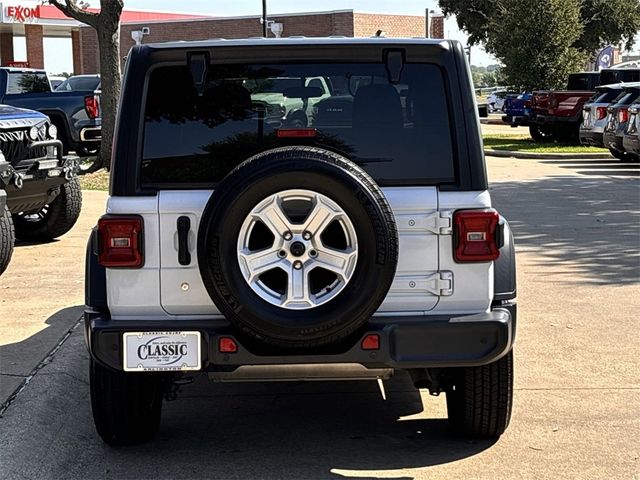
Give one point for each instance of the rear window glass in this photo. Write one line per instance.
(619, 75)
(628, 97)
(398, 132)
(606, 96)
(582, 82)
(27, 82)
(79, 83)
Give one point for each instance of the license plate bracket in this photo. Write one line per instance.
(159, 351)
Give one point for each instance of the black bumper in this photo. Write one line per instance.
(612, 140)
(630, 142)
(539, 119)
(405, 342)
(593, 139)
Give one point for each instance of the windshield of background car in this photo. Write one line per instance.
(79, 83)
(27, 82)
(398, 132)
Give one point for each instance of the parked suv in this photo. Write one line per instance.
(631, 139)
(349, 250)
(594, 114)
(617, 118)
(40, 197)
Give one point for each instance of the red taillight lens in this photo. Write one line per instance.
(227, 345)
(92, 106)
(371, 342)
(120, 242)
(476, 235)
(601, 112)
(297, 133)
(623, 115)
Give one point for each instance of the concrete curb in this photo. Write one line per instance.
(547, 156)
(493, 121)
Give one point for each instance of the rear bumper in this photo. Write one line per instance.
(612, 140)
(552, 120)
(631, 144)
(591, 138)
(405, 342)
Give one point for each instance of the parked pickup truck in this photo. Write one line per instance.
(517, 109)
(76, 114)
(558, 114)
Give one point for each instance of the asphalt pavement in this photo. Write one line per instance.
(577, 400)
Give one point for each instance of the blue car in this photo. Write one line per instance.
(517, 109)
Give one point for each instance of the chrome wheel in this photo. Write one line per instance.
(297, 249)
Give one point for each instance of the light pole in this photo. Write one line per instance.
(264, 18)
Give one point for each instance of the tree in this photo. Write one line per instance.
(540, 42)
(536, 45)
(106, 23)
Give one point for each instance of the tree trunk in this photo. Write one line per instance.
(109, 44)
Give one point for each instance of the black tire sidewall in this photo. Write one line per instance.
(328, 322)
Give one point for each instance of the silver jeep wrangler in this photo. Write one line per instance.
(352, 244)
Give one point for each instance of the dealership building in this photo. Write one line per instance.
(34, 22)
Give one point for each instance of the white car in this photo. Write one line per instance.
(358, 246)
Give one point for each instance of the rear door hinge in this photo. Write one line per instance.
(442, 222)
(441, 284)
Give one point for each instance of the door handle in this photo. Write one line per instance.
(184, 227)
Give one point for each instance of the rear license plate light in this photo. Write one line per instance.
(120, 242)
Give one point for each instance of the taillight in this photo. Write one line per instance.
(601, 112)
(623, 115)
(92, 106)
(476, 235)
(120, 241)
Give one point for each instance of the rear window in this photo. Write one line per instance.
(27, 82)
(582, 82)
(606, 96)
(628, 97)
(79, 83)
(398, 132)
(619, 75)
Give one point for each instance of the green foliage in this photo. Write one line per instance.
(490, 76)
(541, 42)
(535, 46)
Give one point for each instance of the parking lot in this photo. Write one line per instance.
(577, 414)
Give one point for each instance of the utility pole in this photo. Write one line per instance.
(264, 18)
(468, 49)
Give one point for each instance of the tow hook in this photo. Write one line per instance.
(174, 387)
(68, 173)
(18, 181)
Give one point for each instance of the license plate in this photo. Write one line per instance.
(161, 351)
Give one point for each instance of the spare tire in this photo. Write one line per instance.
(297, 247)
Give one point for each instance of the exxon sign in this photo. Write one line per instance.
(20, 13)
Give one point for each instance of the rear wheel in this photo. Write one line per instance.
(126, 406)
(7, 239)
(622, 156)
(52, 220)
(540, 133)
(479, 399)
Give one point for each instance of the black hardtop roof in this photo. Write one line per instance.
(306, 41)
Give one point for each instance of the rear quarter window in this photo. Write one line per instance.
(398, 132)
